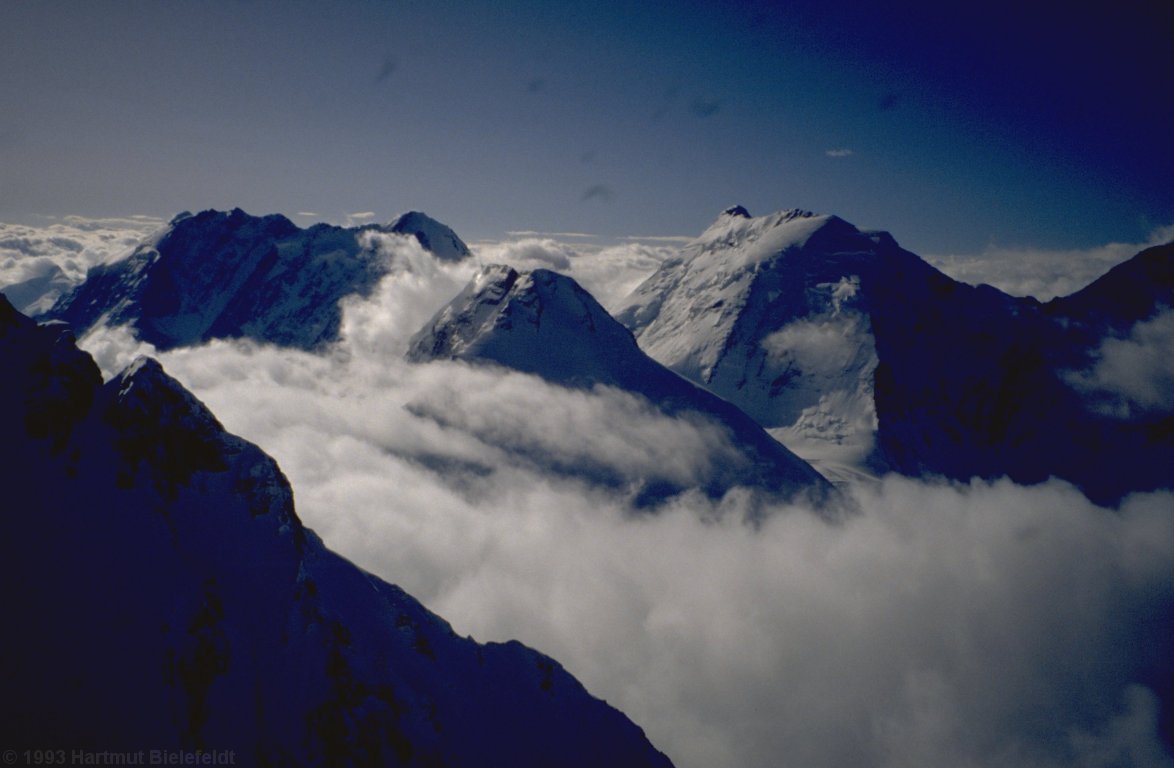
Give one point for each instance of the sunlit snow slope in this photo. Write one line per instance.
(544, 323)
(862, 357)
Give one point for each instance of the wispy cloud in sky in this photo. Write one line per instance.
(386, 69)
(842, 152)
(600, 192)
(357, 219)
(705, 107)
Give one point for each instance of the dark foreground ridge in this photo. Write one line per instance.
(163, 595)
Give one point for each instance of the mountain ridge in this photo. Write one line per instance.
(544, 323)
(849, 347)
(171, 597)
(221, 274)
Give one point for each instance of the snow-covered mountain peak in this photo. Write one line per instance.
(739, 240)
(546, 324)
(142, 369)
(219, 274)
(496, 279)
(144, 380)
(771, 313)
(539, 322)
(856, 352)
(435, 237)
(736, 210)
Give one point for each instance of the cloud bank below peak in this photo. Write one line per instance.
(962, 624)
(1041, 272)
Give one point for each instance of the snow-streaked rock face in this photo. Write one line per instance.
(862, 357)
(545, 324)
(230, 275)
(165, 595)
(435, 237)
(770, 314)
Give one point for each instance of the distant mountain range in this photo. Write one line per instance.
(853, 352)
(220, 275)
(164, 594)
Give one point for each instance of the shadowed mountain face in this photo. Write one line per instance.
(166, 594)
(232, 275)
(545, 324)
(848, 347)
(434, 237)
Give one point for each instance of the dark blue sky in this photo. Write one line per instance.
(954, 128)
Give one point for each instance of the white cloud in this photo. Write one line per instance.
(358, 218)
(982, 624)
(841, 152)
(820, 347)
(137, 222)
(1042, 273)
(1134, 372)
(660, 238)
(530, 253)
(28, 254)
(113, 349)
(609, 273)
(416, 286)
(604, 433)
(535, 233)
(987, 624)
(75, 245)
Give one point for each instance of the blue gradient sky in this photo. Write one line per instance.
(963, 129)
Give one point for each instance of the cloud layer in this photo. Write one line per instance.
(45, 261)
(984, 624)
(945, 624)
(1133, 373)
(609, 273)
(1042, 273)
